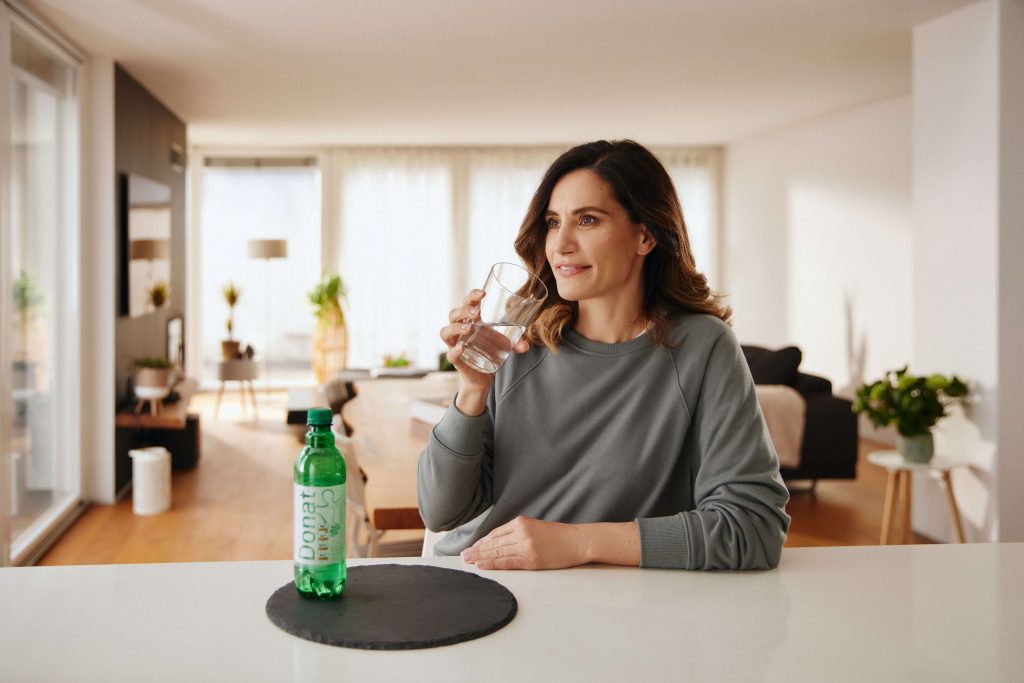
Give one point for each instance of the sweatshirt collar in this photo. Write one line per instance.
(578, 341)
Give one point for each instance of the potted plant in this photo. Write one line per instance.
(153, 373)
(330, 340)
(914, 404)
(399, 361)
(229, 348)
(158, 294)
(27, 298)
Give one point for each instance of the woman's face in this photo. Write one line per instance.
(592, 246)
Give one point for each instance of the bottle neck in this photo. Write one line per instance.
(320, 437)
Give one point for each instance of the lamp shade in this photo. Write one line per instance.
(150, 250)
(268, 248)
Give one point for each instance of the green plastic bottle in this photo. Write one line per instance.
(319, 523)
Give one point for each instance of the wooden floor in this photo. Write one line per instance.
(236, 505)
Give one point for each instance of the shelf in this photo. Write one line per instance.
(171, 416)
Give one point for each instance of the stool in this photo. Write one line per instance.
(240, 371)
(900, 471)
(155, 397)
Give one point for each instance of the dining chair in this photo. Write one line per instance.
(429, 539)
(358, 521)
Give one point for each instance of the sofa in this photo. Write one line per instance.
(829, 448)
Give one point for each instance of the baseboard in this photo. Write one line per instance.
(38, 551)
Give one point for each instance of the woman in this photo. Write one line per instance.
(626, 429)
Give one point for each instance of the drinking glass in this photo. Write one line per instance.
(513, 297)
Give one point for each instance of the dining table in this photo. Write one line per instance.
(381, 417)
(872, 613)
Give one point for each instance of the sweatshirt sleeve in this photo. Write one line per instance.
(454, 480)
(740, 520)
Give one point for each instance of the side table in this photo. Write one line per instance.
(900, 472)
(241, 371)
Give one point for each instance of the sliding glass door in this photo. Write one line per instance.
(39, 268)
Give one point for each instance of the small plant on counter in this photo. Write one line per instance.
(399, 361)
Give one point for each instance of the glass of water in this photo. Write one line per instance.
(513, 297)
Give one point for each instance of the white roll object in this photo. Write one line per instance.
(151, 480)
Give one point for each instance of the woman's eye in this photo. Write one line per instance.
(587, 220)
(552, 223)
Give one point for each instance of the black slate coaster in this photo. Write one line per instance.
(397, 607)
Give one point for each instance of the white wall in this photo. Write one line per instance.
(815, 212)
(98, 284)
(968, 159)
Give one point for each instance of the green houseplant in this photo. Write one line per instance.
(229, 348)
(330, 339)
(27, 300)
(913, 404)
(152, 372)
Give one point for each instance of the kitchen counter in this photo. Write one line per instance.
(935, 613)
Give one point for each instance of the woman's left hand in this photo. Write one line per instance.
(526, 543)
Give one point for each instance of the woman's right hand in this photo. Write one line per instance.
(473, 384)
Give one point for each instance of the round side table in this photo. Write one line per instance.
(900, 472)
(241, 371)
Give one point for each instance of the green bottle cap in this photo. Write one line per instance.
(319, 417)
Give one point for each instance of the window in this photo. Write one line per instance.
(243, 202)
(38, 267)
(396, 253)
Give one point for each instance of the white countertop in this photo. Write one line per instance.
(896, 613)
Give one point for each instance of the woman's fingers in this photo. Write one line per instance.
(450, 333)
(470, 308)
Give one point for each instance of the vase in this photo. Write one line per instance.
(918, 448)
(330, 348)
(156, 378)
(230, 349)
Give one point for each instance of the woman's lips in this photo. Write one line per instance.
(570, 270)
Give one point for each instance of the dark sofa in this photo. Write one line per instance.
(829, 449)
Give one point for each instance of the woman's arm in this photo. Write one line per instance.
(454, 473)
(740, 520)
(526, 543)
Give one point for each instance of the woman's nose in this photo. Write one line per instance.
(565, 240)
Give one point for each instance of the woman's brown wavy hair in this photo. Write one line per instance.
(672, 284)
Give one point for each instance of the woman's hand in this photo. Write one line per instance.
(473, 384)
(526, 543)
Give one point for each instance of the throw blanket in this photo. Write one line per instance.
(784, 412)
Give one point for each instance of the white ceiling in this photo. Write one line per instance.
(321, 72)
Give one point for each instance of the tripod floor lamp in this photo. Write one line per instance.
(268, 250)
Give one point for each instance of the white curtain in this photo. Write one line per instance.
(500, 186)
(415, 229)
(696, 174)
(395, 252)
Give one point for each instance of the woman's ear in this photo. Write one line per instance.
(647, 241)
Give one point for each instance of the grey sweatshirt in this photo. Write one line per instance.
(671, 437)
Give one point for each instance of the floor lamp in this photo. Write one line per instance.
(268, 250)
